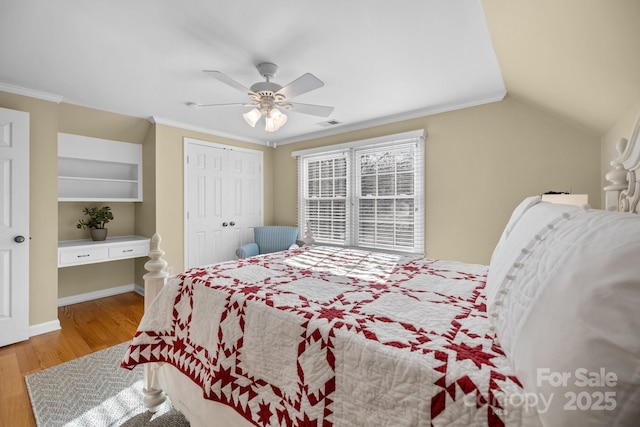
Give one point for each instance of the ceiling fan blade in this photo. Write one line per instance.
(228, 80)
(196, 105)
(314, 110)
(303, 84)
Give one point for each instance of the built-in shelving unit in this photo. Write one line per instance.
(98, 170)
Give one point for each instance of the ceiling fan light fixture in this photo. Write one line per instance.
(271, 99)
(274, 120)
(252, 117)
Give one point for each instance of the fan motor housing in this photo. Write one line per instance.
(265, 88)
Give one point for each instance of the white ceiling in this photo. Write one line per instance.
(381, 61)
(144, 58)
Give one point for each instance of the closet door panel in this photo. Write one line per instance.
(224, 201)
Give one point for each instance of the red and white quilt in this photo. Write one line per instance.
(323, 336)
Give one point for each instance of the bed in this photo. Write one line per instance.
(547, 334)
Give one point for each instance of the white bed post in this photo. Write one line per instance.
(154, 280)
(617, 177)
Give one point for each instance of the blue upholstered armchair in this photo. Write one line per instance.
(269, 239)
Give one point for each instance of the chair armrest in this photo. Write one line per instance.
(248, 250)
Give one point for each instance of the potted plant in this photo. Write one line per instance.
(98, 218)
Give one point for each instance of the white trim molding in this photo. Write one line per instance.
(31, 93)
(89, 296)
(395, 118)
(138, 289)
(387, 139)
(43, 328)
(161, 121)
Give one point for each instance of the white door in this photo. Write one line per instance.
(223, 199)
(14, 226)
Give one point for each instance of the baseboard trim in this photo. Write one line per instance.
(75, 299)
(138, 289)
(43, 328)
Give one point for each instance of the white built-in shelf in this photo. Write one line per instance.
(98, 170)
(86, 251)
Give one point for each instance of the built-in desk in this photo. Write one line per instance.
(80, 252)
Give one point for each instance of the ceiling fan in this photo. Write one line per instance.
(269, 98)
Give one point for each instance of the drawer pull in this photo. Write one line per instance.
(84, 256)
(128, 250)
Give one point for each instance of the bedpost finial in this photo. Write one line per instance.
(308, 235)
(156, 266)
(155, 240)
(621, 145)
(618, 175)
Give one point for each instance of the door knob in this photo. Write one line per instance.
(232, 223)
(18, 239)
(224, 224)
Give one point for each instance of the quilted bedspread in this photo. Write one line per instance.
(326, 336)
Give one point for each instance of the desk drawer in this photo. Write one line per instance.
(85, 256)
(132, 250)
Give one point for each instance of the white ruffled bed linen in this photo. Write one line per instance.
(563, 294)
(385, 341)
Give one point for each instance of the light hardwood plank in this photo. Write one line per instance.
(16, 407)
(86, 328)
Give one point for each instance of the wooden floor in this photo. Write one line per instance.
(86, 328)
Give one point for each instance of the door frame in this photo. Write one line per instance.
(185, 202)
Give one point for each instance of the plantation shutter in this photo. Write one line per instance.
(388, 192)
(324, 198)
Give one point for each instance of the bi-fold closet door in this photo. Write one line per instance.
(223, 199)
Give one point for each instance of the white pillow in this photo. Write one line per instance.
(530, 218)
(515, 216)
(570, 319)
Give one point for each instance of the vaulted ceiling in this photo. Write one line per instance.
(380, 61)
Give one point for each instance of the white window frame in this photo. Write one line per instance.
(352, 151)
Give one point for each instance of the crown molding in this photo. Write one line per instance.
(167, 122)
(31, 93)
(391, 119)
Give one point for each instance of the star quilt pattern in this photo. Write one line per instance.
(322, 336)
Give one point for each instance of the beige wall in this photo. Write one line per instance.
(145, 218)
(70, 212)
(480, 162)
(169, 194)
(85, 121)
(83, 279)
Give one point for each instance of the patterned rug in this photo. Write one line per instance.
(94, 391)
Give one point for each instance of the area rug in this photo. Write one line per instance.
(94, 391)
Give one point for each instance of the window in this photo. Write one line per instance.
(367, 194)
(325, 201)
